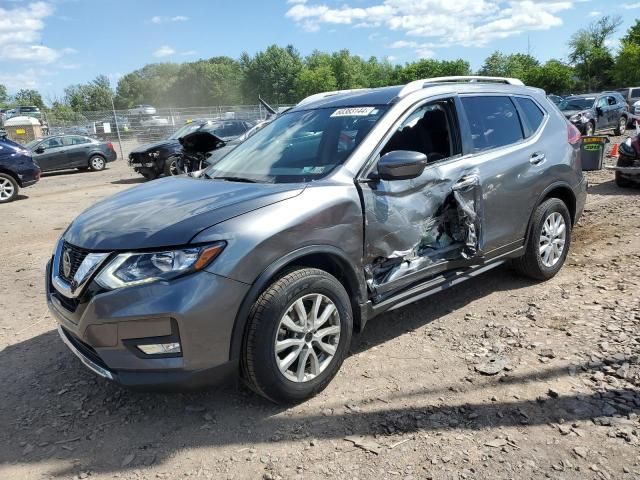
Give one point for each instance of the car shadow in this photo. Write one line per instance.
(51, 407)
(610, 188)
(20, 197)
(129, 181)
(68, 171)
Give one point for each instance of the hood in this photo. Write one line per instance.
(201, 141)
(169, 143)
(169, 212)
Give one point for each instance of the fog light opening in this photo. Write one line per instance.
(160, 348)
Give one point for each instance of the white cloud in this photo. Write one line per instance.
(432, 24)
(159, 19)
(27, 78)
(631, 6)
(595, 13)
(21, 34)
(296, 1)
(164, 51)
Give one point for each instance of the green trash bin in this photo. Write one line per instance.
(592, 152)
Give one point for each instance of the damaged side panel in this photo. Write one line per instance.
(415, 228)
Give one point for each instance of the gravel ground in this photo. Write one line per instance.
(411, 401)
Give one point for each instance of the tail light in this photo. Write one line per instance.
(573, 134)
(110, 146)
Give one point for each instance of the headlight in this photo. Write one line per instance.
(575, 118)
(154, 154)
(128, 269)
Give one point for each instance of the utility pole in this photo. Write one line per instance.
(115, 117)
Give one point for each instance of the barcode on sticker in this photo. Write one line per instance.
(353, 112)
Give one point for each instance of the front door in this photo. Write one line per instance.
(50, 154)
(77, 151)
(603, 114)
(419, 227)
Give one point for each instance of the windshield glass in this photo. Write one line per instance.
(299, 146)
(576, 103)
(32, 144)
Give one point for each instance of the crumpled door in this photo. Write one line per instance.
(417, 228)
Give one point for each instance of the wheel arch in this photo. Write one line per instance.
(324, 257)
(561, 191)
(6, 171)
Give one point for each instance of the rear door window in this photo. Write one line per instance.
(494, 121)
(77, 140)
(533, 115)
(635, 92)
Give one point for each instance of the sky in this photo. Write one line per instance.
(48, 45)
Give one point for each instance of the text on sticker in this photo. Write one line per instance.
(353, 112)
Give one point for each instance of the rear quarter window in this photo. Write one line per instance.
(532, 113)
(635, 92)
(494, 121)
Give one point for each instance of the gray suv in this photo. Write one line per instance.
(351, 204)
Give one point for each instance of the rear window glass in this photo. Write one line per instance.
(494, 122)
(635, 92)
(532, 113)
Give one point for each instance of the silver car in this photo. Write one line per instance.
(351, 204)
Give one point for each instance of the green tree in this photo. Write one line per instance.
(215, 81)
(516, 65)
(626, 70)
(92, 96)
(4, 96)
(427, 68)
(554, 77)
(151, 84)
(590, 54)
(315, 80)
(29, 97)
(272, 74)
(633, 34)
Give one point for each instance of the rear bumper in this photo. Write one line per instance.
(580, 193)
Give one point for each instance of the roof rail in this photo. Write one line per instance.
(320, 96)
(420, 84)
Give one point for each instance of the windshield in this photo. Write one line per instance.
(28, 109)
(32, 143)
(299, 146)
(576, 103)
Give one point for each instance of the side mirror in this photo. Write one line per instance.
(599, 111)
(401, 165)
(39, 150)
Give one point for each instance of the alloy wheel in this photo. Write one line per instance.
(622, 125)
(307, 337)
(552, 239)
(97, 163)
(6, 189)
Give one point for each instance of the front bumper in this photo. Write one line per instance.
(103, 329)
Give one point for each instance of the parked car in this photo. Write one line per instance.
(627, 169)
(142, 110)
(630, 94)
(350, 204)
(592, 113)
(24, 110)
(17, 169)
(60, 152)
(154, 121)
(555, 98)
(154, 159)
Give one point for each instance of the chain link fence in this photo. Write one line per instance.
(128, 129)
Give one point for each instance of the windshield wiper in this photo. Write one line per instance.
(234, 179)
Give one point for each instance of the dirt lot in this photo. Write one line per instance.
(409, 402)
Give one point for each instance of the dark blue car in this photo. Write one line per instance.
(17, 169)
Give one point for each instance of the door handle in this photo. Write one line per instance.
(537, 158)
(465, 182)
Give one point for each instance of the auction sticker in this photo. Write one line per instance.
(353, 112)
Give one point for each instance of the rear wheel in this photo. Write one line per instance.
(97, 163)
(298, 335)
(622, 126)
(548, 243)
(589, 129)
(149, 173)
(8, 188)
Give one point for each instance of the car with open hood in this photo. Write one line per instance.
(350, 204)
(591, 113)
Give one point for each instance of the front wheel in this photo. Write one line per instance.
(623, 182)
(548, 243)
(589, 129)
(8, 188)
(149, 173)
(622, 126)
(298, 335)
(97, 163)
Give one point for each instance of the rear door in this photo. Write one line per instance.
(77, 151)
(603, 113)
(510, 161)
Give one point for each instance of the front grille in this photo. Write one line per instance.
(76, 256)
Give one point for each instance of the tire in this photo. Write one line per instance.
(97, 163)
(622, 126)
(260, 367)
(8, 188)
(171, 167)
(149, 173)
(589, 129)
(623, 182)
(532, 264)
